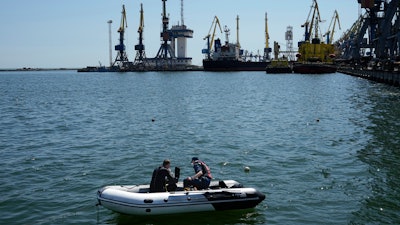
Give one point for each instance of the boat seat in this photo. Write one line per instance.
(222, 184)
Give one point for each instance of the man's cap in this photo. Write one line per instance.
(195, 159)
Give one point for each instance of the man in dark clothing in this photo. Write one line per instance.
(202, 177)
(162, 179)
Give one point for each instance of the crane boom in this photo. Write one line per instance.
(311, 25)
(213, 24)
(122, 58)
(124, 23)
(329, 34)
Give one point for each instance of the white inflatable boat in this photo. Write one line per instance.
(137, 200)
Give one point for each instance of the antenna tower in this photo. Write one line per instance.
(289, 42)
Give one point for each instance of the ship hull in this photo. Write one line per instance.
(233, 65)
(314, 68)
(278, 70)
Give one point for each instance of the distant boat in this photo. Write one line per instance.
(315, 58)
(314, 68)
(97, 69)
(279, 66)
(227, 57)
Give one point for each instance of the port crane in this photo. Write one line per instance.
(122, 58)
(214, 24)
(267, 49)
(312, 25)
(165, 49)
(140, 53)
(329, 34)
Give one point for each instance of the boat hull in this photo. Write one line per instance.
(233, 65)
(278, 70)
(314, 68)
(134, 200)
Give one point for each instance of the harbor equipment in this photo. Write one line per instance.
(267, 49)
(329, 34)
(166, 58)
(110, 41)
(314, 56)
(140, 59)
(122, 59)
(210, 43)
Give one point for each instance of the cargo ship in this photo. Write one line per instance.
(229, 56)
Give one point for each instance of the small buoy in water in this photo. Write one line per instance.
(152, 120)
(246, 169)
(317, 120)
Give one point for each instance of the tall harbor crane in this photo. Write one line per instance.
(267, 49)
(122, 58)
(165, 50)
(312, 25)
(329, 34)
(210, 43)
(140, 53)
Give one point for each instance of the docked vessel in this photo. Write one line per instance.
(138, 200)
(279, 66)
(314, 68)
(229, 56)
(314, 57)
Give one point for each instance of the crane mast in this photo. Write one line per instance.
(267, 49)
(329, 34)
(237, 31)
(311, 25)
(122, 58)
(210, 43)
(165, 48)
(140, 53)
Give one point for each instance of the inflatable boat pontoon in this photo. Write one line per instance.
(137, 200)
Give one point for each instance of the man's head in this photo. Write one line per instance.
(166, 163)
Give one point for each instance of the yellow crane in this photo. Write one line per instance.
(124, 23)
(267, 49)
(121, 58)
(312, 25)
(212, 35)
(140, 53)
(329, 34)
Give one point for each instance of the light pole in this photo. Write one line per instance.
(109, 37)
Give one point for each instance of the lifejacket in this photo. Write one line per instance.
(205, 169)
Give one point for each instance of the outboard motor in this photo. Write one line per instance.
(177, 173)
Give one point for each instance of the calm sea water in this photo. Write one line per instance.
(324, 149)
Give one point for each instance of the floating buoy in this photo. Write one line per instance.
(246, 169)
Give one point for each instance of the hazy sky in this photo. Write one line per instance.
(72, 34)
